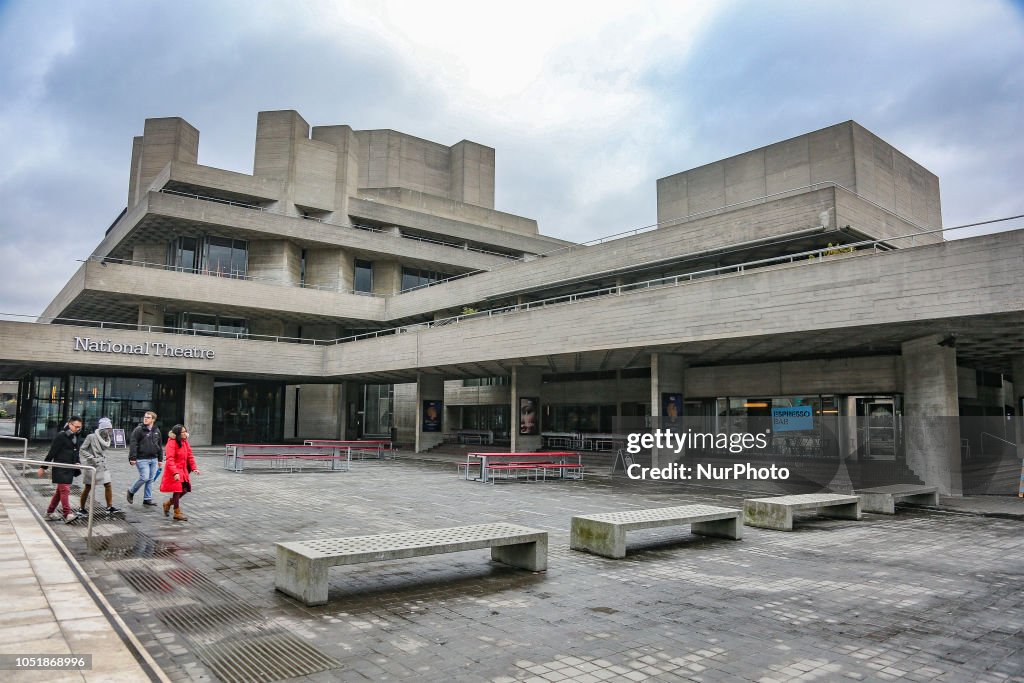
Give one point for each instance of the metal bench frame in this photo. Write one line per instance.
(777, 513)
(605, 533)
(301, 570)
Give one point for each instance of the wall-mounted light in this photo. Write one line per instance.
(755, 404)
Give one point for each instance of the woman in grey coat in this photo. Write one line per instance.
(94, 452)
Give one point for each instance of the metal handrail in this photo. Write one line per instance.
(809, 257)
(24, 443)
(135, 327)
(984, 434)
(79, 466)
(229, 276)
(357, 226)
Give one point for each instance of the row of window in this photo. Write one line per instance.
(212, 255)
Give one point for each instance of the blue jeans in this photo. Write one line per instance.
(147, 475)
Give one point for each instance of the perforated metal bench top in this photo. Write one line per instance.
(806, 499)
(660, 514)
(442, 539)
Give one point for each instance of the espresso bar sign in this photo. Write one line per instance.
(91, 345)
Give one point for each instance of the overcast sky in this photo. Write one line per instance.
(586, 103)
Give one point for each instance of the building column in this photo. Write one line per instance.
(199, 408)
(526, 383)
(429, 388)
(1017, 368)
(150, 315)
(668, 376)
(931, 412)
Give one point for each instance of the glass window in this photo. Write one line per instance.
(214, 325)
(363, 280)
(225, 256)
(415, 277)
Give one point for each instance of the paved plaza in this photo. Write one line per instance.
(922, 596)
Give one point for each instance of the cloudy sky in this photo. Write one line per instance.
(586, 103)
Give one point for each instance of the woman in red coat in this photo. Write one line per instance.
(178, 466)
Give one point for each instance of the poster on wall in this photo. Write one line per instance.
(118, 438)
(529, 415)
(671, 405)
(432, 412)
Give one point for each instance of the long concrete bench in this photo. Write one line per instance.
(883, 499)
(605, 533)
(777, 512)
(302, 565)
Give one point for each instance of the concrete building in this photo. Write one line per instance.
(362, 283)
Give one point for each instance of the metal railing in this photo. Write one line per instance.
(229, 276)
(79, 466)
(812, 256)
(356, 226)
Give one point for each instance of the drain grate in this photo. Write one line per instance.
(270, 656)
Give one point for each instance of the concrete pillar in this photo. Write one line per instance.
(931, 412)
(668, 376)
(150, 315)
(278, 134)
(319, 411)
(429, 388)
(199, 408)
(526, 383)
(346, 173)
(1017, 368)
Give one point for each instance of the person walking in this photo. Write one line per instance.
(178, 469)
(63, 449)
(94, 452)
(146, 452)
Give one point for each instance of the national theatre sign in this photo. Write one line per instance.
(91, 345)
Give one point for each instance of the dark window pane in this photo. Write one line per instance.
(363, 281)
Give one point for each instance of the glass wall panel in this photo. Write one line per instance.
(47, 407)
(378, 406)
(248, 412)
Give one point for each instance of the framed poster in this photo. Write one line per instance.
(671, 405)
(433, 412)
(529, 416)
(118, 439)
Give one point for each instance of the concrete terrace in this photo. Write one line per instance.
(922, 596)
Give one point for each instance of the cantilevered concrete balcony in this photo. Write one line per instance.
(112, 291)
(970, 289)
(159, 214)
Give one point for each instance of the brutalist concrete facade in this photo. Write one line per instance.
(355, 276)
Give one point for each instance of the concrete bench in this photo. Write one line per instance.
(883, 499)
(777, 513)
(302, 565)
(605, 533)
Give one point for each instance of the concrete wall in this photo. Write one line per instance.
(199, 408)
(320, 408)
(876, 374)
(150, 252)
(428, 388)
(471, 178)
(846, 154)
(274, 261)
(424, 207)
(163, 140)
(330, 268)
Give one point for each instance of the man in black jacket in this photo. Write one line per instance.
(64, 449)
(146, 452)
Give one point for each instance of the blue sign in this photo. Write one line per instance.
(796, 419)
